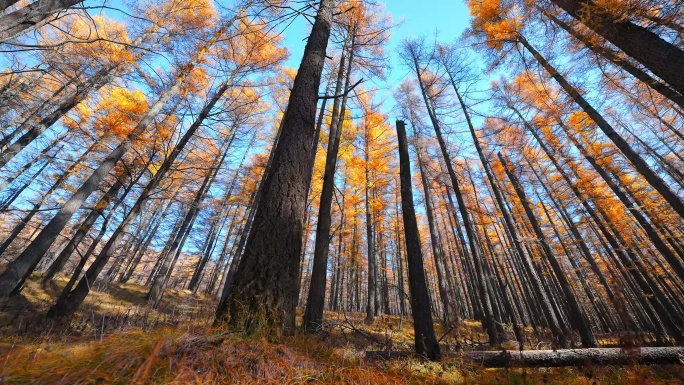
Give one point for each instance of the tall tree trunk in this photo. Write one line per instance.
(228, 276)
(425, 341)
(313, 314)
(489, 323)
(266, 286)
(577, 316)
(435, 240)
(32, 15)
(401, 294)
(371, 275)
(614, 58)
(634, 158)
(661, 57)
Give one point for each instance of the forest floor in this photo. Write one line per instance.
(117, 339)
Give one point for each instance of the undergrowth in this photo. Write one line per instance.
(193, 355)
(117, 339)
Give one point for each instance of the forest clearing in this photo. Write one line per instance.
(341, 191)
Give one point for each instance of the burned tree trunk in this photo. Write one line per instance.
(425, 341)
(265, 292)
(313, 315)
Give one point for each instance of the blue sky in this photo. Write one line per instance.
(413, 18)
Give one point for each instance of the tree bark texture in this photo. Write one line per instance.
(425, 341)
(266, 286)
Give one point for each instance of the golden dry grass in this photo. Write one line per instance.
(191, 355)
(186, 351)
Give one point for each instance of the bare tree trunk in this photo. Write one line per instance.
(664, 59)
(425, 341)
(435, 240)
(559, 358)
(32, 15)
(313, 314)
(266, 286)
(577, 317)
(228, 276)
(609, 55)
(400, 264)
(634, 158)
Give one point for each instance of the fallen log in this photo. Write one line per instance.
(557, 358)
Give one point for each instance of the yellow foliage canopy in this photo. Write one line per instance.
(488, 18)
(120, 110)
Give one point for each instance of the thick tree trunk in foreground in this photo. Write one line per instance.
(425, 341)
(32, 15)
(266, 288)
(558, 358)
(313, 315)
(228, 276)
(614, 58)
(661, 57)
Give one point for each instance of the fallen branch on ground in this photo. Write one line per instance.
(558, 358)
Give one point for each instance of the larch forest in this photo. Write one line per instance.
(188, 197)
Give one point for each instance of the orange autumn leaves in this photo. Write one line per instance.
(490, 19)
(115, 112)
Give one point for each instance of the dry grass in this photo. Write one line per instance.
(108, 308)
(191, 355)
(174, 345)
